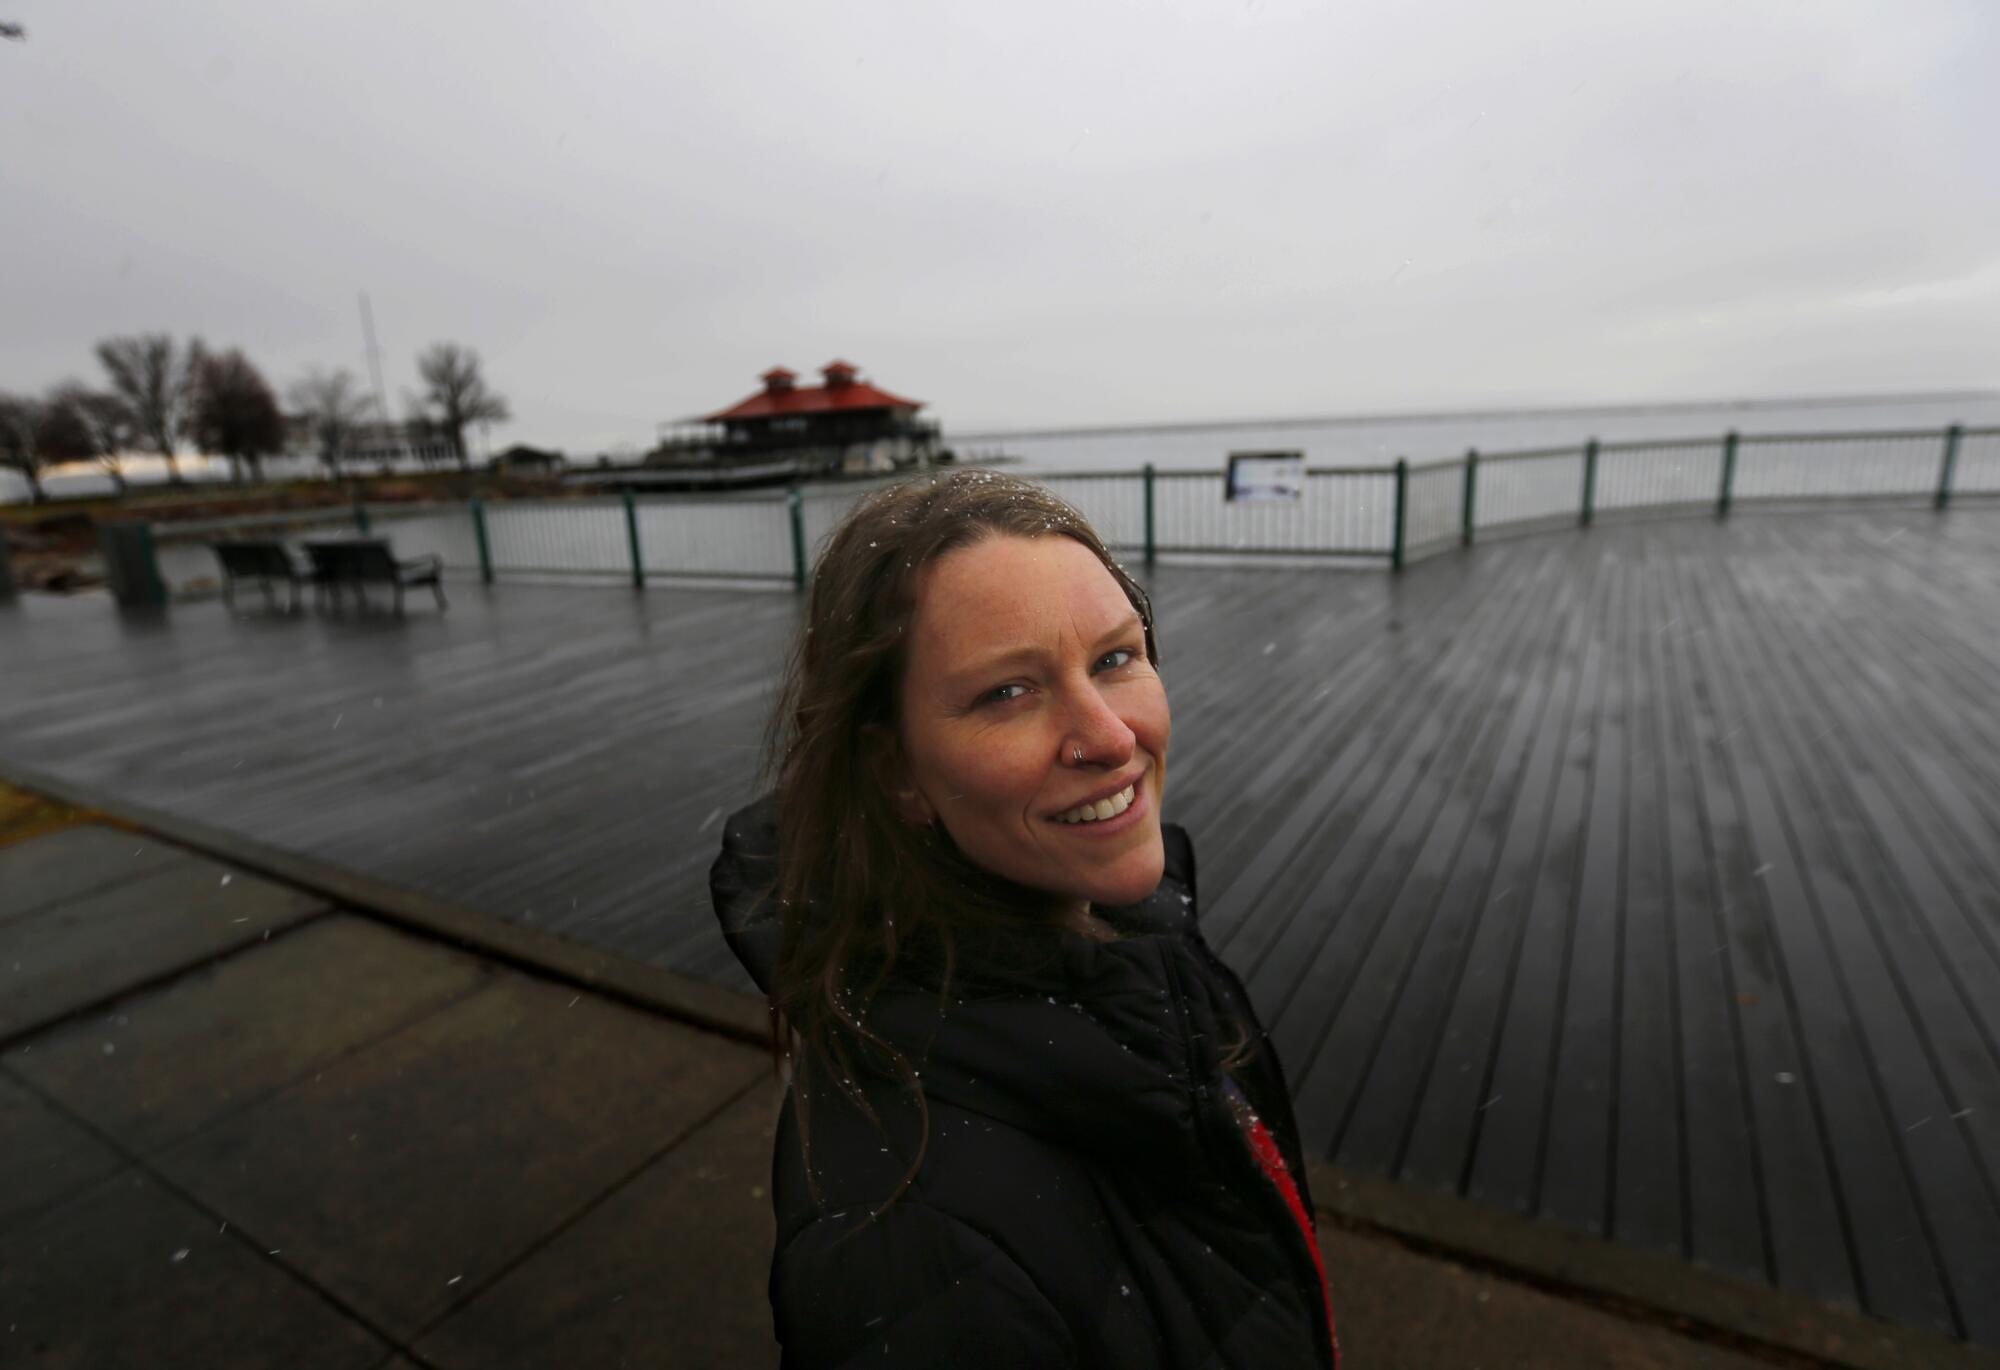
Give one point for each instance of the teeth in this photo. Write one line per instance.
(1103, 808)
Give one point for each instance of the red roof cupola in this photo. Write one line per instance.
(844, 392)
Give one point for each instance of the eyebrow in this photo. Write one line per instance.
(994, 664)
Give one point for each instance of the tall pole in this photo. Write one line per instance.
(374, 354)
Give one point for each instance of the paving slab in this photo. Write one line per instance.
(48, 1155)
(154, 1068)
(113, 940)
(74, 861)
(1588, 1270)
(129, 1274)
(673, 1269)
(1395, 1307)
(406, 1175)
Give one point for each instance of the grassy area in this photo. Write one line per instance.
(215, 500)
(53, 545)
(24, 815)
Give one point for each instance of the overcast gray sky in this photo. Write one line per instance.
(1026, 214)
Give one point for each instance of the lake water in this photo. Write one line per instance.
(1378, 441)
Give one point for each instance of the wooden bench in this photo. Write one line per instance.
(353, 562)
(263, 562)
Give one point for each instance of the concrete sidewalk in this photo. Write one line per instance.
(249, 1122)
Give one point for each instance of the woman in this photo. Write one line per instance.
(1032, 1119)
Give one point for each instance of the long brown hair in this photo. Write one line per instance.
(857, 885)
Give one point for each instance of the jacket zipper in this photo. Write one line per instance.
(1197, 1082)
(1305, 1275)
(1239, 1002)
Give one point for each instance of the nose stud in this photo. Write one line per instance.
(1076, 752)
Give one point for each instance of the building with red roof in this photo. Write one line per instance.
(844, 392)
(842, 426)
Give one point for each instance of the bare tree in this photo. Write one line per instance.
(456, 394)
(81, 424)
(155, 379)
(20, 417)
(235, 412)
(333, 403)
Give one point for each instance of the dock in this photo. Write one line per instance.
(1641, 880)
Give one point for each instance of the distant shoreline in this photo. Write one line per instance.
(1453, 415)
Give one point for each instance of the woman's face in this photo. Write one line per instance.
(1022, 652)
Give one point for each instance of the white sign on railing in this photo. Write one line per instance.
(1265, 475)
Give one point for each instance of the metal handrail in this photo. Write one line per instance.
(1387, 512)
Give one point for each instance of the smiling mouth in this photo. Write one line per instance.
(1109, 807)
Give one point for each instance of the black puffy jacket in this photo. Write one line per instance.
(1088, 1197)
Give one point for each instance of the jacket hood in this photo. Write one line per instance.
(1097, 1044)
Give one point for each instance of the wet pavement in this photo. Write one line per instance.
(247, 1127)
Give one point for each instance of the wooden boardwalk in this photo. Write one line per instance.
(1645, 879)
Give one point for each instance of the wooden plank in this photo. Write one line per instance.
(1293, 860)
(1575, 1182)
(1958, 1215)
(1374, 854)
(1648, 1197)
(1806, 1227)
(1333, 695)
(1727, 1223)
(1459, 1090)
(1888, 1244)
(1377, 1050)
(1937, 936)
(1508, 1138)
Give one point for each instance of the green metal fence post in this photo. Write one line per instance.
(1728, 474)
(131, 563)
(1945, 468)
(479, 532)
(1471, 487)
(1149, 513)
(360, 514)
(1402, 504)
(1589, 481)
(149, 566)
(632, 539)
(798, 507)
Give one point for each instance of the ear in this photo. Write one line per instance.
(891, 774)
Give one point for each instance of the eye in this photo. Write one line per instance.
(1116, 657)
(998, 694)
